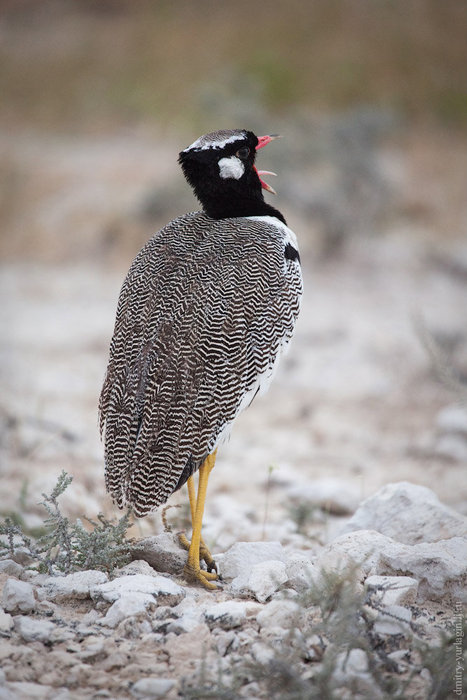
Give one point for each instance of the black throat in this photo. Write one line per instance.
(229, 198)
(223, 207)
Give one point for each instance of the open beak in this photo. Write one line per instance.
(263, 141)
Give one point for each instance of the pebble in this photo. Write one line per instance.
(278, 613)
(162, 552)
(152, 687)
(393, 590)
(242, 556)
(6, 622)
(394, 619)
(439, 567)
(32, 630)
(331, 495)
(452, 419)
(62, 589)
(130, 605)
(261, 581)
(10, 567)
(408, 513)
(18, 596)
(227, 615)
(164, 589)
(301, 572)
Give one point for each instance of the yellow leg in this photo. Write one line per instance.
(204, 553)
(192, 569)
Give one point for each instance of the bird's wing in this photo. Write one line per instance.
(203, 314)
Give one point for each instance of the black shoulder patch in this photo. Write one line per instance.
(291, 253)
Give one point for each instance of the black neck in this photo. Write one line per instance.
(224, 208)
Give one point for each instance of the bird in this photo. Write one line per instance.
(206, 310)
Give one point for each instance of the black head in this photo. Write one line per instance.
(220, 167)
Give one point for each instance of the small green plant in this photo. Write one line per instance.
(67, 547)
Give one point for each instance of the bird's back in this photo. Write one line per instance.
(204, 313)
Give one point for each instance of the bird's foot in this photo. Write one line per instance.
(194, 574)
(204, 553)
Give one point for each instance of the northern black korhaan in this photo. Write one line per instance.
(204, 314)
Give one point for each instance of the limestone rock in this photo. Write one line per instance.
(18, 596)
(34, 630)
(6, 622)
(301, 571)
(394, 619)
(440, 567)
(408, 513)
(227, 615)
(261, 581)
(278, 614)
(393, 590)
(152, 687)
(161, 588)
(61, 589)
(352, 673)
(360, 550)
(243, 556)
(163, 552)
(189, 615)
(131, 604)
(331, 495)
(452, 419)
(10, 567)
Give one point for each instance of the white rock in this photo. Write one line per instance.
(301, 571)
(163, 552)
(161, 588)
(393, 590)
(6, 622)
(138, 566)
(452, 419)
(352, 672)
(408, 513)
(332, 495)
(452, 447)
(10, 567)
(395, 619)
(73, 586)
(226, 615)
(278, 613)
(33, 691)
(361, 550)
(189, 615)
(152, 687)
(18, 595)
(439, 567)
(34, 630)
(262, 581)
(242, 556)
(130, 605)
(356, 661)
(262, 653)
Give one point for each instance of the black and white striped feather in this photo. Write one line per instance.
(204, 313)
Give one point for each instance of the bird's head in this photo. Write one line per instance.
(220, 167)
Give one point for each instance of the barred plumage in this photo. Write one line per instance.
(204, 313)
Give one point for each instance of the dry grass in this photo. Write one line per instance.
(88, 64)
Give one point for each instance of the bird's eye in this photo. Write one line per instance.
(243, 153)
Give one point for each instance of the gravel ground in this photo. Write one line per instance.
(357, 404)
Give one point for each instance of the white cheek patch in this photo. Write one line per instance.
(231, 168)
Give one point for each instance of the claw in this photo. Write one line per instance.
(199, 576)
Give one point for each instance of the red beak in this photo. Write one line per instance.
(263, 141)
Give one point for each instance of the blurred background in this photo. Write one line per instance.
(97, 99)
